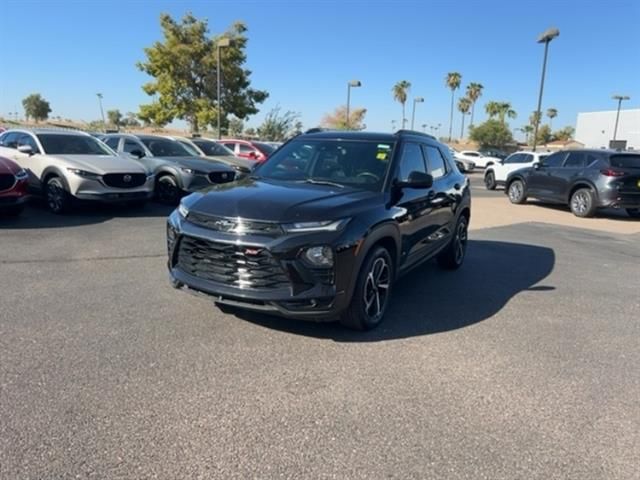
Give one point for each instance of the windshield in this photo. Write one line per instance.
(625, 161)
(63, 144)
(163, 147)
(213, 149)
(265, 147)
(355, 164)
(190, 148)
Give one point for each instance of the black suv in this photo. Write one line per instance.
(322, 229)
(584, 179)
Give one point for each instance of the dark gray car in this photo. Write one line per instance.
(217, 151)
(584, 179)
(177, 171)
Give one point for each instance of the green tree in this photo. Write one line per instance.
(492, 108)
(505, 110)
(277, 126)
(535, 118)
(551, 113)
(36, 107)
(184, 71)
(115, 117)
(544, 135)
(400, 93)
(338, 119)
(464, 104)
(452, 81)
(527, 130)
(564, 134)
(130, 120)
(250, 132)
(491, 134)
(236, 126)
(474, 92)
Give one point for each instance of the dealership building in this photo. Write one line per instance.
(595, 129)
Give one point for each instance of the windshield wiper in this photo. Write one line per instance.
(322, 182)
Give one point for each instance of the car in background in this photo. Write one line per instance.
(66, 165)
(188, 144)
(493, 152)
(13, 187)
(585, 180)
(325, 227)
(495, 175)
(177, 170)
(478, 158)
(256, 151)
(212, 149)
(464, 165)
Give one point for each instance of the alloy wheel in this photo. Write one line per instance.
(515, 191)
(580, 202)
(376, 289)
(460, 241)
(55, 196)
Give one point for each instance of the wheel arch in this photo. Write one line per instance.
(52, 171)
(166, 170)
(581, 184)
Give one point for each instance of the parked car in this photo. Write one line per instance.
(66, 165)
(479, 159)
(324, 228)
(188, 144)
(13, 187)
(212, 149)
(256, 151)
(465, 165)
(583, 179)
(493, 152)
(496, 175)
(176, 169)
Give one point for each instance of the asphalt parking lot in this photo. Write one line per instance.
(522, 364)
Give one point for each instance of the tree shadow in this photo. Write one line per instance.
(36, 215)
(430, 300)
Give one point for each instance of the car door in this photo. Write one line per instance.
(9, 144)
(544, 178)
(510, 164)
(572, 168)
(34, 163)
(247, 151)
(443, 195)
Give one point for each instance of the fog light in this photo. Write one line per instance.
(319, 256)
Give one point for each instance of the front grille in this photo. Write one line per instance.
(7, 180)
(237, 226)
(229, 264)
(221, 177)
(124, 180)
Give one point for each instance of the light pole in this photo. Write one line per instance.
(104, 125)
(222, 43)
(619, 98)
(352, 83)
(393, 125)
(424, 127)
(413, 112)
(545, 38)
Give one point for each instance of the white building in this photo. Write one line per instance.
(595, 129)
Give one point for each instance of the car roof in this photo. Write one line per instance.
(53, 131)
(359, 135)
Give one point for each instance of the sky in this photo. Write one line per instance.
(304, 53)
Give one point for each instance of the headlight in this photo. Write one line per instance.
(319, 256)
(191, 171)
(325, 226)
(84, 173)
(21, 175)
(183, 210)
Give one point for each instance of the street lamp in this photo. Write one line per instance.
(545, 38)
(619, 98)
(413, 113)
(222, 43)
(104, 125)
(352, 83)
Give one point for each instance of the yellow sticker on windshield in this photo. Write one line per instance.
(382, 156)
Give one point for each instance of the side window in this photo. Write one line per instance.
(437, 165)
(411, 161)
(25, 139)
(555, 160)
(575, 160)
(230, 146)
(246, 148)
(112, 142)
(526, 158)
(131, 145)
(592, 158)
(10, 140)
(471, 154)
(513, 158)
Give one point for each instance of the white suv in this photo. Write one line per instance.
(63, 165)
(496, 175)
(477, 158)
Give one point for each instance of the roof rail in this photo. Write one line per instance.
(317, 129)
(414, 132)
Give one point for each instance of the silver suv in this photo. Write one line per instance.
(177, 170)
(63, 165)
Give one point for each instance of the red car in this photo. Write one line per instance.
(257, 151)
(13, 187)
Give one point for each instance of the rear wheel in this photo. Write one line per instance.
(452, 257)
(516, 192)
(57, 197)
(490, 181)
(582, 203)
(633, 212)
(372, 292)
(167, 190)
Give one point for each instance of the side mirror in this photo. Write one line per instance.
(26, 149)
(537, 165)
(137, 153)
(417, 180)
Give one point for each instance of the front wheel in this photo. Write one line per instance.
(633, 212)
(371, 295)
(58, 199)
(516, 192)
(452, 257)
(167, 190)
(583, 203)
(490, 181)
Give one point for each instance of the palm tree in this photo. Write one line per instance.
(492, 108)
(452, 81)
(551, 113)
(528, 130)
(464, 104)
(400, 92)
(474, 92)
(505, 110)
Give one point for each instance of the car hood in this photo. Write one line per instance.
(101, 164)
(8, 166)
(283, 202)
(197, 163)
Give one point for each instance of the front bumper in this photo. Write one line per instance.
(13, 200)
(87, 189)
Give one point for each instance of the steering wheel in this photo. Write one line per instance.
(369, 175)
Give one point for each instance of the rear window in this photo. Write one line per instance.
(266, 148)
(625, 161)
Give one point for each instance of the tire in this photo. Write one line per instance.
(452, 257)
(167, 190)
(370, 299)
(633, 212)
(516, 192)
(490, 181)
(57, 198)
(583, 203)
